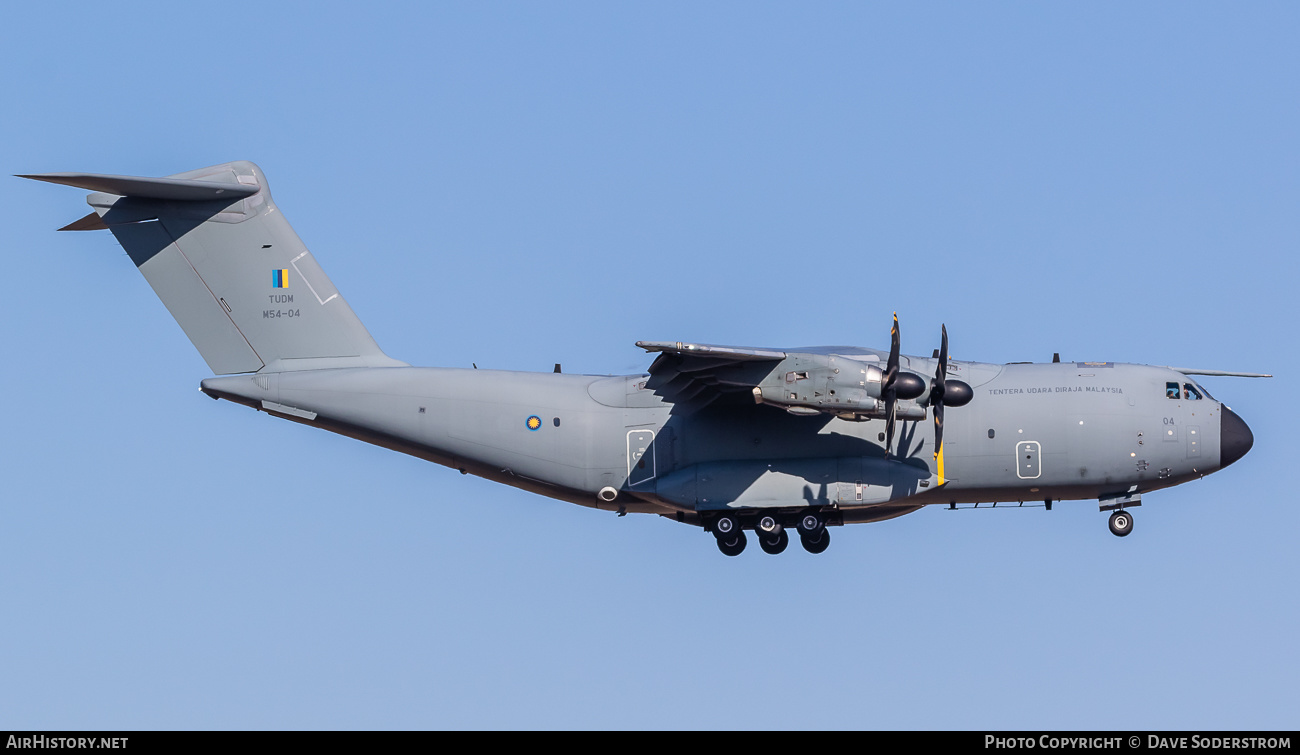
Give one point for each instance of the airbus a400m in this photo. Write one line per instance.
(728, 439)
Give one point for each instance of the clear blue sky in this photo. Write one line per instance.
(522, 184)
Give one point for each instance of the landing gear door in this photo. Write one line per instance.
(640, 456)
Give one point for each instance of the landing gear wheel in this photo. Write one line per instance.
(725, 527)
(817, 542)
(773, 544)
(810, 524)
(731, 538)
(769, 525)
(1121, 523)
(732, 546)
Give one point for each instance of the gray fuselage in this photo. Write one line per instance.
(1032, 432)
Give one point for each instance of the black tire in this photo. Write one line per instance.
(726, 527)
(817, 542)
(769, 525)
(732, 546)
(774, 544)
(1121, 523)
(810, 524)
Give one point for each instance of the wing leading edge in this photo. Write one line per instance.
(1218, 373)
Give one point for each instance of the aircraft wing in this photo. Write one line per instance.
(731, 353)
(1218, 373)
(693, 375)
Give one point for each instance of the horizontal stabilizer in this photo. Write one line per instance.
(1218, 373)
(91, 222)
(176, 189)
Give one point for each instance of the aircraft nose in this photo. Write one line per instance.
(1235, 438)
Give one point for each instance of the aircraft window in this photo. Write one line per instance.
(1171, 390)
(1190, 393)
(557, 421)
(990, 432)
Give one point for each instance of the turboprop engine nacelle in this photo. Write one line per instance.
(809, 384)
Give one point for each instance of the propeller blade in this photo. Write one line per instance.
(943, 351)
(888, 385)
(937, 389)
(889, 429)
(940, 384)
(938, 429)
(891, 367)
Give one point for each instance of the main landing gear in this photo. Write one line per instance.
(812, 533)
(731, 538)
(771, 535)
(771, 532)
(1121, 523)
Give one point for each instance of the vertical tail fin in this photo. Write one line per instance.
(229, 268)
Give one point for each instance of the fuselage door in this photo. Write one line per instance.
(640, 456)
(1028, 466)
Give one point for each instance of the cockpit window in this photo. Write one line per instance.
(1171, 390)
(1190, 392)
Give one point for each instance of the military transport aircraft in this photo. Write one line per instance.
(725, 438)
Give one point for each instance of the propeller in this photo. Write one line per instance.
(937, 389)
(945, 392)
(889, 387)
(896, 384)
